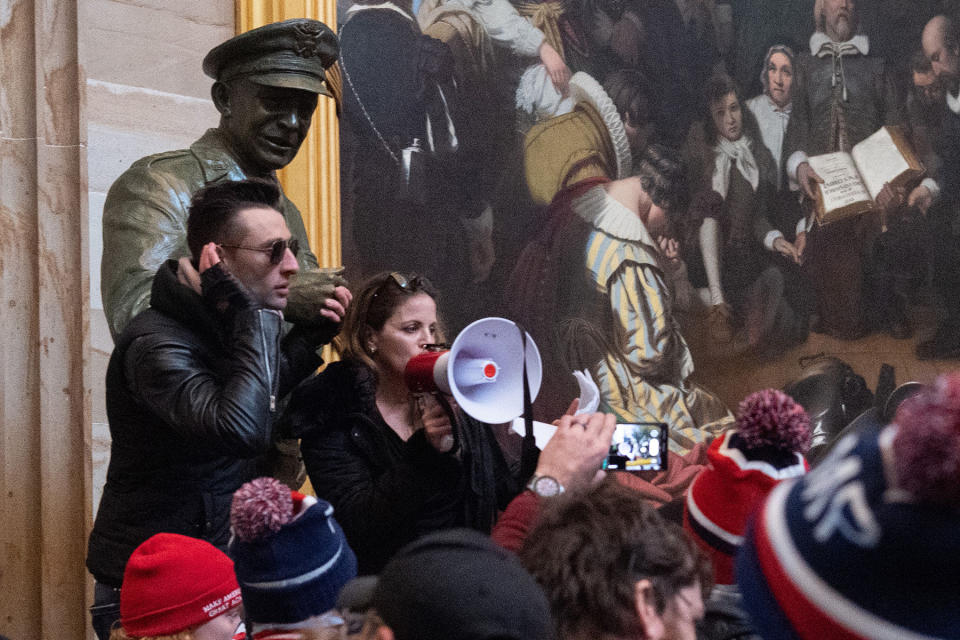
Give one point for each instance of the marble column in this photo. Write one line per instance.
(44, 398)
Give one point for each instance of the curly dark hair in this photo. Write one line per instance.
(589, 549)
(663, 176)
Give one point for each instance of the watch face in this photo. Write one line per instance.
(546, 486)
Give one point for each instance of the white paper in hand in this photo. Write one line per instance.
(589, 392)
(542, 432)
(589, 401)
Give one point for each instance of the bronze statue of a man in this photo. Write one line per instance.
(266, 85)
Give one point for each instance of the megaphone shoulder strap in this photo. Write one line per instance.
(529, 453)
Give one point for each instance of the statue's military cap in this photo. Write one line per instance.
(291, 54)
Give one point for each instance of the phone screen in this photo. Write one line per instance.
(638, 446)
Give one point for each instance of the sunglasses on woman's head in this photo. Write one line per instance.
(403, 282)
(276, 250)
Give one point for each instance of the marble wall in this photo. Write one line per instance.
(145, 93)
(86, 88)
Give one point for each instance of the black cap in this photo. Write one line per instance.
(292, 54)
(459, 585)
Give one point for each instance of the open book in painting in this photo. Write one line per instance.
(852, 181)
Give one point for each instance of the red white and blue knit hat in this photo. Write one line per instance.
(290, 555)
(767, 445)
(867, 545)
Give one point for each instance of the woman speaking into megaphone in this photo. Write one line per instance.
(382, 455)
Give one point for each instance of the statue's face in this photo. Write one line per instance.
(780, 79)
(839, 19)
(266, 125)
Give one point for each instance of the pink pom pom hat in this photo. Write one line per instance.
(289, 553)
(772, 432)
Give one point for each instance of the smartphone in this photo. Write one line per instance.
(638, 446)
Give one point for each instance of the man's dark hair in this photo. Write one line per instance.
(663, 176)
(718, 86)
(590, 549)
(628, 89)
(214, 209)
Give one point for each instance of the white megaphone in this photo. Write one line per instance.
(483, 370)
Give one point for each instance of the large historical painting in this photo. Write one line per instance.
(463, 120)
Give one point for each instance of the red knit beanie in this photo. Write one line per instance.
(767, 446)
(173, 583)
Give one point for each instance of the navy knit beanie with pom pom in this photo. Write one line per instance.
(867, 545)
(290, 555)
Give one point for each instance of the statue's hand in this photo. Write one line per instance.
(318, 299)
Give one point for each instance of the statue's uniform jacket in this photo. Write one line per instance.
(145, 221)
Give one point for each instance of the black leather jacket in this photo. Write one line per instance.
(191, 402)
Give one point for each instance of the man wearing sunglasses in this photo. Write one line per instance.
(267, 82)
(194, 381)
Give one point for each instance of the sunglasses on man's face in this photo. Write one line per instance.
(276, 250)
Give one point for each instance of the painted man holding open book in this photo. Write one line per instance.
(844, 96)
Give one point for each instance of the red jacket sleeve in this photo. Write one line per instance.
(516, 522)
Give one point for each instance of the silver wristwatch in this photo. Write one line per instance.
(545, 486)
